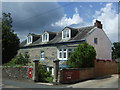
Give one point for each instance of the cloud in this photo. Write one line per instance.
(90, 6)
(33, 17)
(81, 6)
(67, 21)
(109, 18)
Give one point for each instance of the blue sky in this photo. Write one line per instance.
(54, 16)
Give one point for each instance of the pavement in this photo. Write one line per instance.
(101, 82)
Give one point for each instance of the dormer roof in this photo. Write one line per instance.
(56, 37)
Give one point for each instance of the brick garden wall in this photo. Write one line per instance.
(101, 68)
(105, 67)
(74, 75)
(18, 73)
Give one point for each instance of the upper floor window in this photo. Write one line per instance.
(66, 34)
(95, 40)
(29, 39)
(45, 37)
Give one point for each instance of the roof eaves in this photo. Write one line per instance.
(55, 44)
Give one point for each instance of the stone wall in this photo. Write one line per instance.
(17, 73)
(35, 53)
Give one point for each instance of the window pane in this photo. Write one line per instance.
(69, 50)
(60, 55)
(95, 40)
(69, 54)
(46, 37)
(42, 54)
(64, 34)
(64, 54)
(67, 33)
(30, 39)
(60, 50)
(64, 50)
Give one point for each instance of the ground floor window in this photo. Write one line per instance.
(63, 54)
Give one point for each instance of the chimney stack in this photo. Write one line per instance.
(98, 24)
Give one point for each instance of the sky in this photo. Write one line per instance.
(37, 17)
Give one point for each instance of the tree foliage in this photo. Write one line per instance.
(83, 56)
(10, 40)
(20, 59)
(116, 50)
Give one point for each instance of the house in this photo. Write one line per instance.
(58, 45)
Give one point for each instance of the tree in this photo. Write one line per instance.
(83, 56)
(10, 40)
(116, 50)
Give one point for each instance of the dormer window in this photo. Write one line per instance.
(45, 37)
(29, 39)
(66, 34)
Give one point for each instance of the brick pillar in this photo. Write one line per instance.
(56, 69)
(35, 70)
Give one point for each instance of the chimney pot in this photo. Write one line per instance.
(98, 24)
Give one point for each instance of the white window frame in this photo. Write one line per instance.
(42, 55)
(63, 51)
(66, 32)
(45, 37)
(29, 39)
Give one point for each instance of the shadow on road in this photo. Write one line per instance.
(103, 77)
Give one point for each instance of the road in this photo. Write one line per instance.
(107, 82)
(103, 82)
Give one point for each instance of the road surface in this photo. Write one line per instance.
(106, 82)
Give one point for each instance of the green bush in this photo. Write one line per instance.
(43, 74)
(83, 56)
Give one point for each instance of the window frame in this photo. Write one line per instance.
(42, 55)
(29, 39)
(64, 52)
(95, 40)
(45, 37)
(66, 34)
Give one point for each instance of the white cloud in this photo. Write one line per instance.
(90, 6)
(81, 6)
(109, 18)
(66, 21)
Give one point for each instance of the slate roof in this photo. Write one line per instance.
(80, 34)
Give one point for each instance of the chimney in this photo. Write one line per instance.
(98, 24)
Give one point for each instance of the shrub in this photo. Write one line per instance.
(83, 56)
(43, 74)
